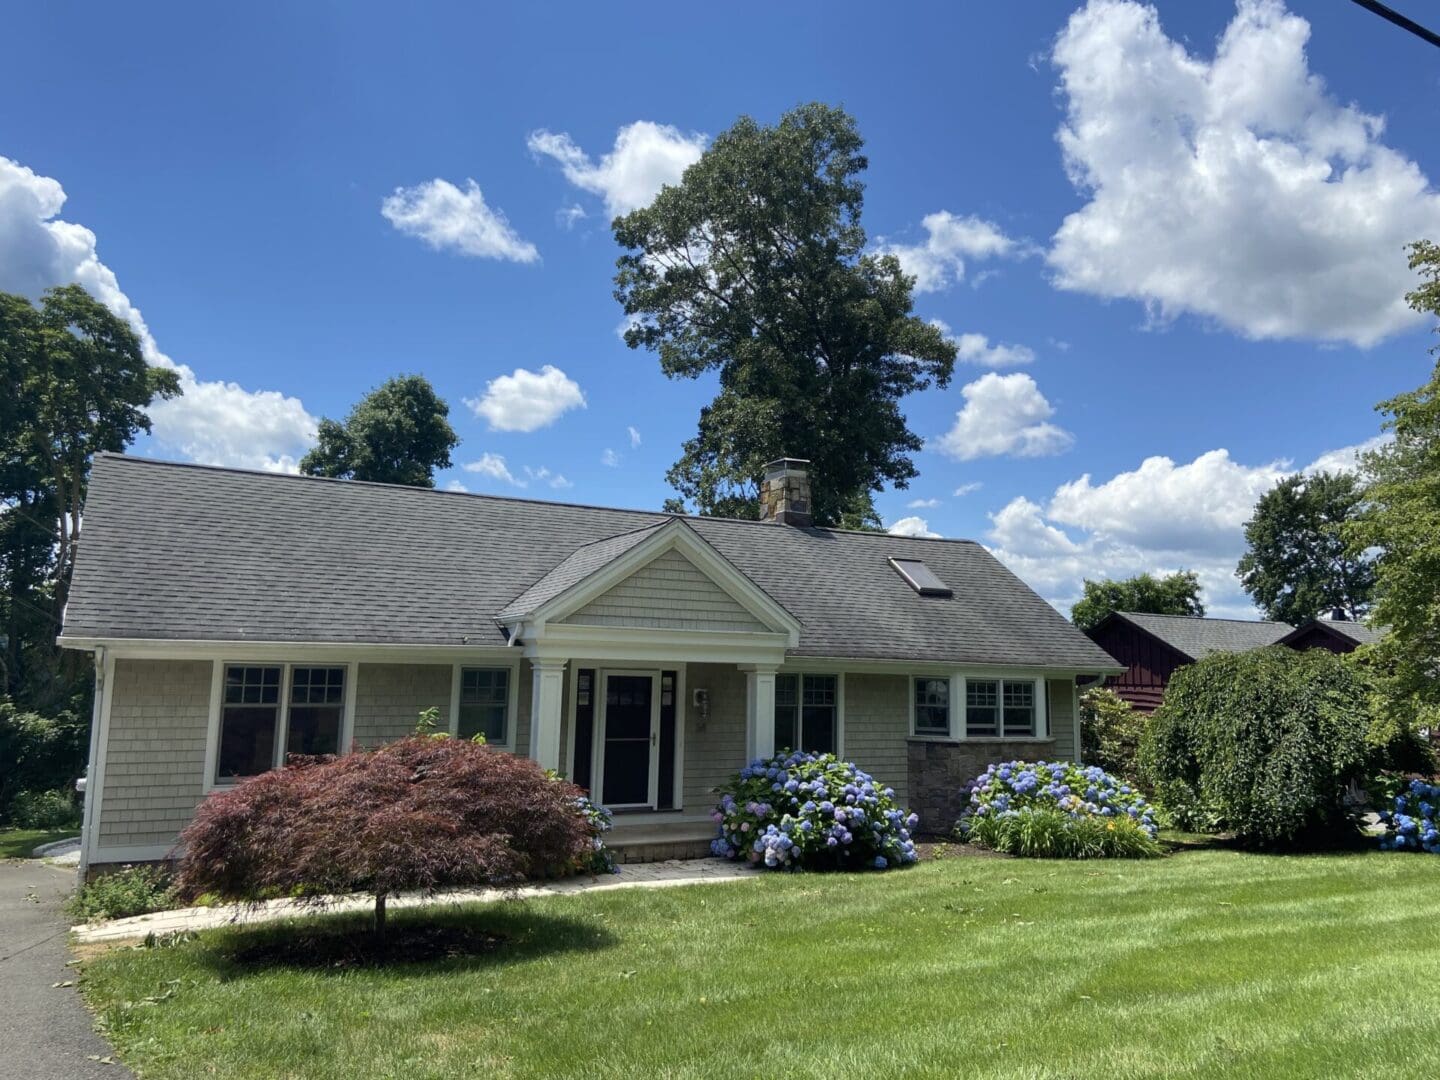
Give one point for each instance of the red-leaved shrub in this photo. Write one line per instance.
(420, 814)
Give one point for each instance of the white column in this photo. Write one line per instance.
(759, 712)
(547, 702)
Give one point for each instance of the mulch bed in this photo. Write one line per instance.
(410, 943)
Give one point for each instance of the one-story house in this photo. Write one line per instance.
(237, 617)
(1337, 634)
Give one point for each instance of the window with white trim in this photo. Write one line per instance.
(931, 700)
(484, 707)
(807, 713)
(265, 716)
(1000, 708)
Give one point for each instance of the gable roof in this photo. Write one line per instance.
(1357, 633)
(1196, 636)
(203, 553)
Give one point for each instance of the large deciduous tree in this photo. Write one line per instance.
(1401, 520)
(399, 433)
(1173, 594)
(1299, 564)
(754, 266)
(78, 385)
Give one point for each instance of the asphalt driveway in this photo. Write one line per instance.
(46, 1033)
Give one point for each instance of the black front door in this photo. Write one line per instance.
(628, 740)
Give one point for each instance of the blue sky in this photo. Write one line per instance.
(1209, 260)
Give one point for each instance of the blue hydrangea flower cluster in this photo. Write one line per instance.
(1009, 787)
(812, 811)
(1410, 822)
(600, 860)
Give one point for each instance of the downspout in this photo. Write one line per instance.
(87, 825)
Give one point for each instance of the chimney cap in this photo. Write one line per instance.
(786, 464)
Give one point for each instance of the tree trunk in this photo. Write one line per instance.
(380, 917)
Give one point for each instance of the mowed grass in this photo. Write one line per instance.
(1206, 963)
(19, 843)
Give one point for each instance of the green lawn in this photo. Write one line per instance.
(1207, 963)
(19, 843)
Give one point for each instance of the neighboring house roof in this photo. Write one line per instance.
(1354, 632)
(1196, 637)
(201, 553)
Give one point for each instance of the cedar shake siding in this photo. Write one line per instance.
(715, 746)
(390, 697)
(155, 760)
(667, 593)
(876, 715)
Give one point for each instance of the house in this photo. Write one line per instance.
(1336, 633)
(1151, 647)
(236, 617)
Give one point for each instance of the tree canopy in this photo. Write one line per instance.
(1299, 563)
(1401, 520)
(399, 433)
(1173, 594)
(77, 384)
(753, 266)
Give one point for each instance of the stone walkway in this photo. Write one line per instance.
(656, 875)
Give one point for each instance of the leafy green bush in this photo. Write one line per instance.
(47, 810)
(1270, 739)
(1058, 810)
(1054, 834)
(1110, 732)
(131, 890)
(39, 753)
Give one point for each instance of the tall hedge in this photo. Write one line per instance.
(1269, 739)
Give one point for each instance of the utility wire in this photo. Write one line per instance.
(1391, 15)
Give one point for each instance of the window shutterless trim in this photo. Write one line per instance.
(916, 730)
(512, 698)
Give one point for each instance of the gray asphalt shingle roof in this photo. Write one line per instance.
(195, 552)
(1196, 637)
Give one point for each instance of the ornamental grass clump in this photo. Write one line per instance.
(803, 811)
(1058, 810)
(1412, 821)
(418, 815)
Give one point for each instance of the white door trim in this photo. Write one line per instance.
(597, 765)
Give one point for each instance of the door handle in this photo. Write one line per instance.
(654, 739)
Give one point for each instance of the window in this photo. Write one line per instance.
(317, 708)
(270, 711)
(484, 707)
(1000, 708)
(921, 578)
(932, 705)
(807, 713)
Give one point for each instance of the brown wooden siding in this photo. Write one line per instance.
(1149, 663)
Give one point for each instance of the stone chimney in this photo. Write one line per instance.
(785, 492)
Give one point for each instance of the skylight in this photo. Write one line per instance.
(921, 578)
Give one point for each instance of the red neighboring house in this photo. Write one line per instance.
(1152, 646)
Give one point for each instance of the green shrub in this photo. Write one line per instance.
(1270, 740)
(1058, 810)
(38, 753)
(48, 810)
(131, 890)
(1110, 732)
(1054, 834)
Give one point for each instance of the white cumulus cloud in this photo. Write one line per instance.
(1004, 415)
(938, 261)
(913, 526)
(1234, 186)
(527, 400)
(493, 466)
(447, 218)
(968, 489)
(646, 156)
(212, 422)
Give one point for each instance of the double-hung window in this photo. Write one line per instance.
(1001, 708)
(484, 705)
(932, 705)
(807, 713)
(270, 711)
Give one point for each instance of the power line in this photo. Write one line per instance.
(1391, 15)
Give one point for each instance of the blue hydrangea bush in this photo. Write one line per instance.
(1412, 821)
(1057, 809)
(802, 811)
(599, 859)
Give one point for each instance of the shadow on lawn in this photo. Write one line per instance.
(419, 942)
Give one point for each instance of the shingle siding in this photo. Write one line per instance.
(877, 724)
(155, 759)
(670, 592)
(715, 746)
(1061, 706)
(389, 698)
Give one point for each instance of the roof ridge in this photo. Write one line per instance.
(138, 459)
(1206, 618)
